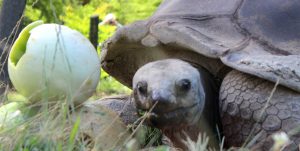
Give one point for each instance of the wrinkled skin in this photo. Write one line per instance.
(177, 97)
(257, 41)
(186, 100)
(187, 103)
(180, 99)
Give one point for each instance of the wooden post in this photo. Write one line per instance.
(10, 21)
(94, 21)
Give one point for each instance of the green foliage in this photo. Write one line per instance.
(78, 17)
(73, 134)
(132, 10)
(46, 10)
(108, 85)
(149, 136)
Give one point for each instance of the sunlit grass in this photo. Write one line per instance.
(49, 125)
(109, 86)
(52, 126)
(42, 127)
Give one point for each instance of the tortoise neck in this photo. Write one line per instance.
(209, 122)
(178, 136)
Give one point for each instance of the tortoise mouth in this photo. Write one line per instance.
(179, 116)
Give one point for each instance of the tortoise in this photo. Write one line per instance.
(247, 51)
(100, 128)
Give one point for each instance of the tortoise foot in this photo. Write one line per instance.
(123, 106)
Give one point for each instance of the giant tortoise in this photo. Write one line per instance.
(237, 62)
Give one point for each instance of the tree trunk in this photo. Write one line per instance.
(10, 21)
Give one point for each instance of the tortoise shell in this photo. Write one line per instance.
(261, 38)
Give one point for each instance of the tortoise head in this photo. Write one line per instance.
(171, 90)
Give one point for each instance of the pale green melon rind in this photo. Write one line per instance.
(19, 47)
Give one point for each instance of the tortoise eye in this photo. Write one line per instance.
(142, 87)
(184, 84)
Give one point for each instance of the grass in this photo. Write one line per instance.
(49, 125)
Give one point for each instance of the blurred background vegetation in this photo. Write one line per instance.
(76, 14)
(48, 125)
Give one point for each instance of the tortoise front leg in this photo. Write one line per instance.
(123, 106)
(248, 110)
(126, 109)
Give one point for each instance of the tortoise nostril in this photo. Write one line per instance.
(159, 96)
(155, 96)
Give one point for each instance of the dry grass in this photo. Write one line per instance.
(47, 125)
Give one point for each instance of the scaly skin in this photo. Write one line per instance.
(243, 98)
(123, 106)
(182, 100)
